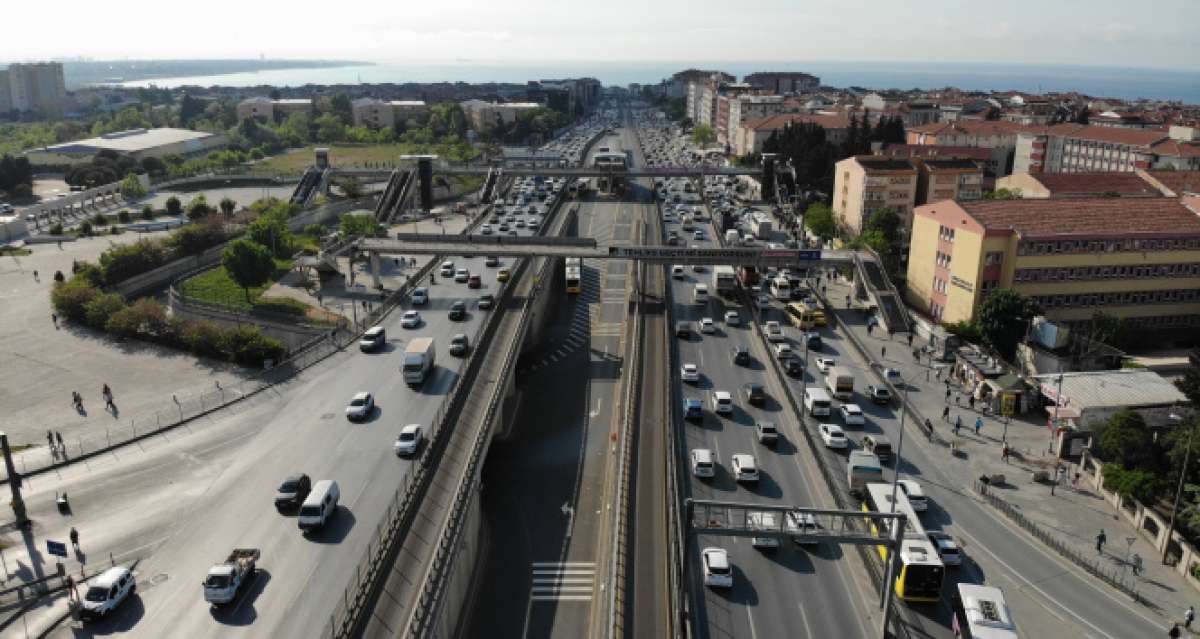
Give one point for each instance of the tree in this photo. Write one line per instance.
(228, 206)
(189, 109)
(819, 219)
(1003, 194)
(350, 187)
(1084, 116)
(341, 107)
(1189, 384)
(270, 230)
(1004, 318)
(248, 263)
(174, 206)
(358, 225)
(703, 135)
(131, 187)
(198, 208)
(1127, 440)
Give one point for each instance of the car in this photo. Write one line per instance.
(373, 339)
(462, 275)
(512, 233)
(447, 268)
(697, 268)
(693, 408)
(533, 223)
(833, 436)
(793, 366)
(852, 415)
(409, 440)
(825, 363)
(766, 432)
(107, 592)
(740, 355)
(677, 271)
(491, 260)
(486, 229)
(459, 344)
(458, 311)
(503, 228)
(764, 301)
(812, 340)
(718, 573)
(722, 402)
(879, 394)
(892, 375)
(799, 525)
(698, 234)
(410, 319)
(706, 325)
(420, 296)
(947, 548)
(745, 469)
(502, 275)
(474, 281)
(783, 351)
(767, 521)
(520, 222)
(704, 463)
(292, 491)
(683, 330)
(732, 318)
(486, 301)
(689, 373)
(754, 393)
(360, 406)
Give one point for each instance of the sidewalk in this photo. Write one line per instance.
(1076, 515)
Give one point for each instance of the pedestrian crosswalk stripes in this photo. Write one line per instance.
(562, 580)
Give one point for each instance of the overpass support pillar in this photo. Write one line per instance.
(375, 264)
(425, 173)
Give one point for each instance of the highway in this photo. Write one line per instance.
(300, 428)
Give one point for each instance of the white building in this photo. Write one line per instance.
(377, 114)
(136, 143)
(26, 87)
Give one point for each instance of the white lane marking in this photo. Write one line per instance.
(804, 620)
(1043, 593)
(596, 412)
(750, 618)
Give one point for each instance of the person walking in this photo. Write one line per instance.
(928, 429)
(1100, 539)
(50, 439)
(883, 352)
(957, 423)
(108, 397)
(910, 340)
(1189, 616)
(947, 392)
(1137, 564)
(61, 445)
(946, 413)
(971, 401)
(54, 318)
(74, 538)
(1004, 453)
(978, 424)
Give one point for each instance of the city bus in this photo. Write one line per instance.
(573, 273)
(980, 612)
(801, 316)
(921, 571)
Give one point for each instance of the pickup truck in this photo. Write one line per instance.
(225, 579)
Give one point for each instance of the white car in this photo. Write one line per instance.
(732, 318)
(420, 296)
(722, 403)
(718, 573)
(947, 548)
(698, 235)
(774, 331)
(765, 521)
(486, 229)
(360, 406)
(745, 469)
(462, 275)
(410, 319)
(677, 271)
(447, 268)
(825, 363)
(798, 524)
(409, 440)
(852, 415)
(783, 351)
(833, 436)
(689, 373)
(707, 325)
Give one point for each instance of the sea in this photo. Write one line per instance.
(1110, 82)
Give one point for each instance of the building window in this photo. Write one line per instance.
(993, 258)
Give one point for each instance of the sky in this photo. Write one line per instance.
(1150, 33)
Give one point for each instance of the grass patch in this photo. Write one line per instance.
(306, 243)
(15, 252)
(215, 286)
(297, 160)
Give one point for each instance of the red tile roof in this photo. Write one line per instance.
(937, 151)
(1178, 181)
(1090, 217)
(970, 127)
(1076, 184)
(780, 120)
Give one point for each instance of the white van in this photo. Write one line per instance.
(732, 237)
(320, 505)
(107, 591)
(703, 464)
(817, 401)
(700, 294)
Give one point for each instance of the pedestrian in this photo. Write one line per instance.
(35, 276)
(946, 413)
(928, 429)
(1075, 481)
(54, 318)
(883, 352)
(50, 438)
(1100, 539)
(910, 339)
(978, 424)
(1189, 616)
(847, 301)
(947, 392)
(58, 436)
(74, 538)
(971, 401)
(957, 423)
(1174, 631)
(823, 290)
(1004, 453)
(1137, 564)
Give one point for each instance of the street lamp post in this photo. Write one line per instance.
(1187, 455)
(1057, 404)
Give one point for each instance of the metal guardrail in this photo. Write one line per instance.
(1114, 576)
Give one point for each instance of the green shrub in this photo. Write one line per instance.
(198, 207)
(174, 206)
(71, 297)
(147, 213)
(194, 239)
(56, 228)
(85, 228)
(145, 317)
(114, 230)
(247, 346)
(315, 230)
(100, 308)
(202, 338)
(124, 217)
(100, 219)
(256, 154)
(123, 261)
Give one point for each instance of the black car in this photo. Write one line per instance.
(683, 330)
(792, 366)
(754, 393)
(458, 311)
(459, 345)
(486, 301)
(292, 491)
(741, 356)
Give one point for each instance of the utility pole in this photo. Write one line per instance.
(1187, 455)
(900, 443)
(1057, 404)
(14, 483)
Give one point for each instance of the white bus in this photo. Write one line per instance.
(980, 612)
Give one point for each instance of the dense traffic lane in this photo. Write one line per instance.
(806, 591)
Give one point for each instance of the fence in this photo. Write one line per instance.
(1114, 575)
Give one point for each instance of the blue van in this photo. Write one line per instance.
(693, 408)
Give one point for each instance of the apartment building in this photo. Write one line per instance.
(863, 184)
(702, 97)
(733, 110)
(1136, 259)
(485, 116)
(33, 86)
(677, 87)
(947, 179)
(1077, 148)
(269, 110)
(987, 159)
(378, 114)
(751, 134)
(997, 135)
(782, 82)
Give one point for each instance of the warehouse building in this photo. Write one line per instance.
(136, 143)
